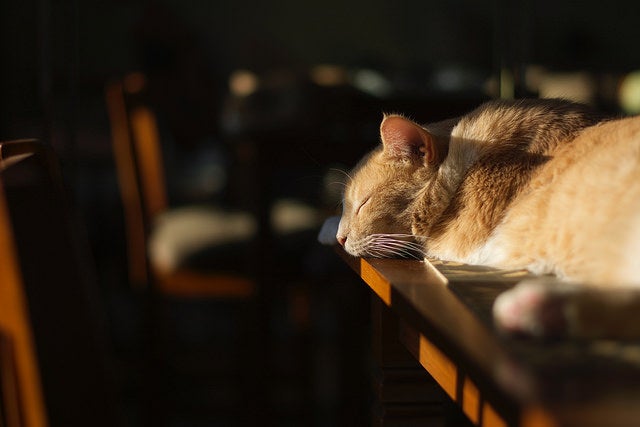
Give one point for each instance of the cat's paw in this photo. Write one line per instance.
(533, 307)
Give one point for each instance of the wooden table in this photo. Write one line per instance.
(441, 313)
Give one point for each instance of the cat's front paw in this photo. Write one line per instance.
(534, 308)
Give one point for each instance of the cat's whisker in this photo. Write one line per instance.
(389, 253)
(346, 174)
(392, 235)
(392, 245)
(340, 183)
(395, 238)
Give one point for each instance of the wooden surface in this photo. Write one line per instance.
(21, 397)
(444, 320)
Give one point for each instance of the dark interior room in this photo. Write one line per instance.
(200, 146)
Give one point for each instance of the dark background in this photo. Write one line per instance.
(427, 59)
(57, 55)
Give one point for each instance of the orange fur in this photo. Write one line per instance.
(455, 204)
(545, 185)
(581, 215)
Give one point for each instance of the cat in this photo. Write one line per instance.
(545, 185)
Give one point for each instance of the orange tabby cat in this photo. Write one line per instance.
(546, 185)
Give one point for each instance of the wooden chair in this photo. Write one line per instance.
(53, 365)
(141, 176)
(139, 164)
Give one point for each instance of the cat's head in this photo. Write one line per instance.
(377, 200)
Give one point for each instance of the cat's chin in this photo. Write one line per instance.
(355, 254)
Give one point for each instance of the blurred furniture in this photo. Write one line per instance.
(441, 313)
(159, 240)
(162, 243)
(54, 365)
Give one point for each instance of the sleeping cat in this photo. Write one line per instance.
(546, 185)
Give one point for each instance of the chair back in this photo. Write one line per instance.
(54, 368)
(21, 389)
(138, 157)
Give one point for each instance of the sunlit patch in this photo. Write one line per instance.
(372, 82)
(243, 83)
(329, 75)
(629, 93)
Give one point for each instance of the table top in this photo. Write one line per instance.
(445, 313)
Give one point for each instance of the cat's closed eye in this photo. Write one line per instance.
(364, 202)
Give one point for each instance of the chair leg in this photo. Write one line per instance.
(155, 400)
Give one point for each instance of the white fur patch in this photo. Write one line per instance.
(494, 252)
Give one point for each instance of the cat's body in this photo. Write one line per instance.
(580, 216)
(545, 185)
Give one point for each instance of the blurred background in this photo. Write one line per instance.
(257, 108)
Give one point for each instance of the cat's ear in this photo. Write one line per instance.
(404, 139)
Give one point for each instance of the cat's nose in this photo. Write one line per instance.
(342, 240)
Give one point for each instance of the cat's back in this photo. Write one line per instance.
(502, 144)
(581, 215)
(606, 155)
(534, 125)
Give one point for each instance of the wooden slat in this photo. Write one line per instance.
(441, 368)
(376, 281)
(451, 378)
(471, 401)
(490, 418)
(150, 162)
(10, 410)
(538, 417)
(189, 284)
(405, 393)
(128, 183)
(14, 321)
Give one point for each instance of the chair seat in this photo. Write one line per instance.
(205, 238)
(180, 236)
(189, 284)
(291, 216)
